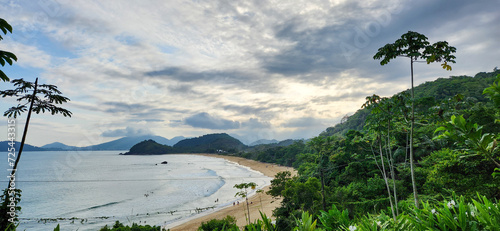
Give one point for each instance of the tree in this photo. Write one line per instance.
(26, 93)
(381, 112)
(244, 193)
(415, 46)
(493, 92)
(5, 56)
(278, 184)
(227, 223)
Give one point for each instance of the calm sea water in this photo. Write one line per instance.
(97, 188)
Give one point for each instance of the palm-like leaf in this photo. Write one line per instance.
(45, 100)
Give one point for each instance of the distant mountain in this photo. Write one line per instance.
(150, 147)
(126, 143)
(58, 146)
(4, 147)
(210, 143)
(175, 140)
(263, 141)
(283, 143)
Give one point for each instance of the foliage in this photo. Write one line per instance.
(227, 223)
(5, 56)
(243, 187)
(278, 184)
(415, 46)
(25, 93)
(454, 170)
(354, 183)
(354, 122)
(335, 219)
(265, 224)
(493, 92)
(306, 223)
(442, 90)
(284, 155)
(135, 227)
(9, 209)
(457, 214)
(210, 143)
(150, 147)
(471, 137)
(304, 195)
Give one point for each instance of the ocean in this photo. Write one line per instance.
(85, 190)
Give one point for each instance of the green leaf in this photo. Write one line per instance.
(5, 26)
(4, 77)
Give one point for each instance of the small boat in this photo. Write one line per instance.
(164, 162)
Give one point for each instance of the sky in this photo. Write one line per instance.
(253, 69)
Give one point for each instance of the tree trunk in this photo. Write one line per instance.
(248, 209)
(412, 166)
(391, 166)
(323, 189)
(25, 132)
(385, 178)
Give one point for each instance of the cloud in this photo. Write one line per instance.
(205, 120)
(121, 107)
(254, 123)
(127, 132)
(233, 78)
(304, 122)
(270, 69)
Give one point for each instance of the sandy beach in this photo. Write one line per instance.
(238, 211)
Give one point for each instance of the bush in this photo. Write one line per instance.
(228, 223)
(135, 227)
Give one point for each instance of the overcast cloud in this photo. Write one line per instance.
(255, 69)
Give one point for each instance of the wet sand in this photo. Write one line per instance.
(238, 211)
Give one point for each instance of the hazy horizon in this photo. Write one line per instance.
(274, 70)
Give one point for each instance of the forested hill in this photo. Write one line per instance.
(210, 143)
(150, 147)
(466, 87)
(5, 146)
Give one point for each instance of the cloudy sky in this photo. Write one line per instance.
(254, 69)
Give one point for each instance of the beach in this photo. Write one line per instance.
(238, 211)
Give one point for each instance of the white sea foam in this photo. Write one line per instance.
(130, 189)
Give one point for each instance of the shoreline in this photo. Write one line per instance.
(238, 211)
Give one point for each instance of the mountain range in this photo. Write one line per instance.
(466, 87)
(124, 143)
(206, 143)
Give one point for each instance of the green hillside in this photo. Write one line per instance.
(4, 146)
(150, 147)
(471, 88)
(210, 143)
(360, 171)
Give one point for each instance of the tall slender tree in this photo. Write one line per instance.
(415, 46)
(40, 98)
(244, 193)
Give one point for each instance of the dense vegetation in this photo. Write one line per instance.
(135, 227)
(365, 172)
(150, 147)
(211, 143)
(439, 90)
